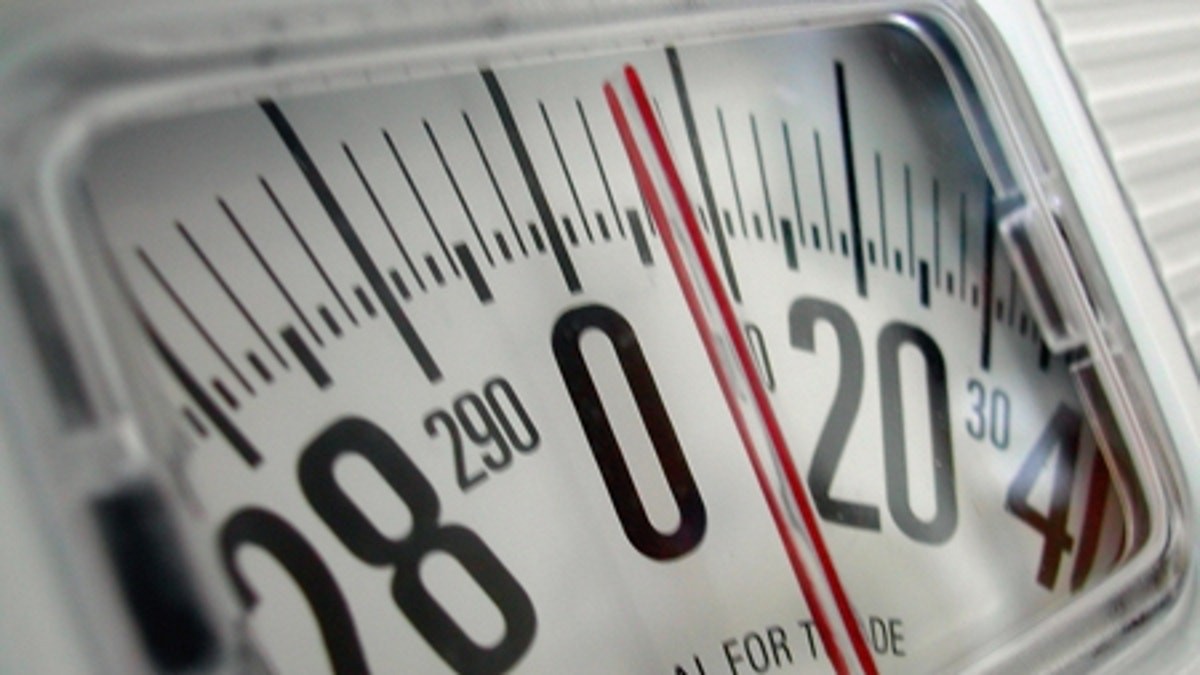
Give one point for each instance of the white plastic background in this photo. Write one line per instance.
(1137, 65)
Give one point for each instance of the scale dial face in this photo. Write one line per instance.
(448, 409)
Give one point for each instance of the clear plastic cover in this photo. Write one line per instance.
(352, 336)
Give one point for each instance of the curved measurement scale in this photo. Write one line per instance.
(449, 406)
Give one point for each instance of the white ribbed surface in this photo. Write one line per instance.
(1138, 66)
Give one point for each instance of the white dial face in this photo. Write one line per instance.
(450, 410)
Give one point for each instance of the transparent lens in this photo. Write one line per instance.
(448, 405)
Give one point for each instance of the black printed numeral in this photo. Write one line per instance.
(990, 416)
(607, 451)
(831, 444)
(268, 532)
(1058, 451)
(354, 436)
(495, 423)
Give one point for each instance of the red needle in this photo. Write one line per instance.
(815, 594)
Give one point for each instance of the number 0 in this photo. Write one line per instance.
(895, 457)
(625, 500)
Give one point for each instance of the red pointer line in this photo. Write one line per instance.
(774, 432)
(693, 301)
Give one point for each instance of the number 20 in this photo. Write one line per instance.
(831, 444)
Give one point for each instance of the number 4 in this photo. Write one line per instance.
(1061, 439)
